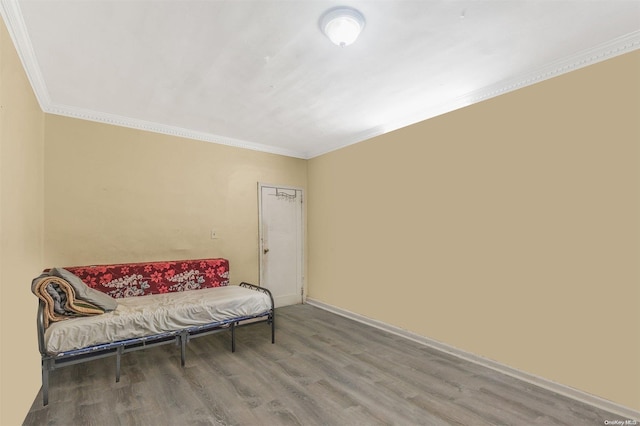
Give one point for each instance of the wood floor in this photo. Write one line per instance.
(323, 370)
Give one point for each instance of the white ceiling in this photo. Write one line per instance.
(260, 74)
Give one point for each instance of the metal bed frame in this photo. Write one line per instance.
(180, 337)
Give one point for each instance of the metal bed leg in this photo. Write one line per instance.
(118, 356)
(273, 327)
(46, 367)
(233, 337)
(183, 347)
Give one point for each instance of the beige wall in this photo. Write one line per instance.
(114, 194)
(509, 229)
(21, 233)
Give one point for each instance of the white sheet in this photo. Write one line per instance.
(158, 313)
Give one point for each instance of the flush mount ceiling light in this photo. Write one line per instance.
(342, 25)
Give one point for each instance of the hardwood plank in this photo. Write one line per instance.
(323, 370)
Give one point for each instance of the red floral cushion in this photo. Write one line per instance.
(139, 279)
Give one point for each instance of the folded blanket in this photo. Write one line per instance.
(60, 300)
(84, 292)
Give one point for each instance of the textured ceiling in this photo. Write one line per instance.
(261, 75)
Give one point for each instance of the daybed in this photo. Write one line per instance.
(89, 312)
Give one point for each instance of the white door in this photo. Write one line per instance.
(281, 242)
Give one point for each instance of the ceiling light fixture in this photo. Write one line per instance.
(342, 25)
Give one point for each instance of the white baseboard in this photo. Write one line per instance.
(558, 388)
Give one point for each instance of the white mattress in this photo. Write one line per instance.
(158, 313)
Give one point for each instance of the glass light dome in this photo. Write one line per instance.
(342, 25)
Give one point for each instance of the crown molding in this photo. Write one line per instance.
(149, 126)
(12, 15)
(598, 53)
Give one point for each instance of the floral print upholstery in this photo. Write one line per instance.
(139, 279)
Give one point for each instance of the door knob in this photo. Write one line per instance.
(266, 251)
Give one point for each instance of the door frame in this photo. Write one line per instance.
(301, 254)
